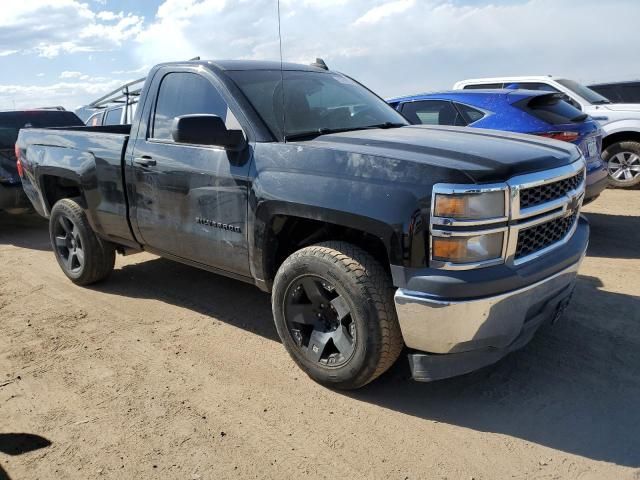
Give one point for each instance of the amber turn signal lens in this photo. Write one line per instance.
(450, 206)
(468, 249)
(470, 206)
(449, 249)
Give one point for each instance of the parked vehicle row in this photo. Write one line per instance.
(620, 122)
(115, 108)
(371, 234)
(524, 111)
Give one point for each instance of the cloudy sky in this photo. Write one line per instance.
(68, 52)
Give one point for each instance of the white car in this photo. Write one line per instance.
(620, 122)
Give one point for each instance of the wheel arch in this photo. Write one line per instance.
(282, 228)
(56, 186)
(620, 136)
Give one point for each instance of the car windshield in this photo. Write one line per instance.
(313, 102)
(586, 93)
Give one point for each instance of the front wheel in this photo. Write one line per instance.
(83, 256)
(623, 163)
(334, 311)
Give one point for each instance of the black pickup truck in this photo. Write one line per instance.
(371, 235)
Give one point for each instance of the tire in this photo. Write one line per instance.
(83, 256)
(623, 164)
(334, 311)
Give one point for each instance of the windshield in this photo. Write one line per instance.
(313, 102)
(586, 93)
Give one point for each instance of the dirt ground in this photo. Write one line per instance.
(168, 372)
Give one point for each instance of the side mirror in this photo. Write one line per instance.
(204, 129)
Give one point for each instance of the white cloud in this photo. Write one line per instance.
(107, 15)
(385, 10)
(393, 46)
(212, 29)
(136, 71)
(67, 74)
(68, 94)
(50, 29)
(404, 46)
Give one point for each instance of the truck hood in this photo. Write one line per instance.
(484, 156)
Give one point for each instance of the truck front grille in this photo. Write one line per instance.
(534, 196)
(539, 237)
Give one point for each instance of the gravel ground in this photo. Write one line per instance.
(168, 372)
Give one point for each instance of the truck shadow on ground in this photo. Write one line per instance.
(574, 388)
(231, 301)
(18, 444)
(25, 231)
(614, 236)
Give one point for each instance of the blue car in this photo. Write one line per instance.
(524, 111)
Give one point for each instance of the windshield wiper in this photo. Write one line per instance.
(601, 102)
(326, 131)
(388, 125)
(315, 133)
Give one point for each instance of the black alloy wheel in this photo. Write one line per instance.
(83, 256)
(319, 321)
(68, 244)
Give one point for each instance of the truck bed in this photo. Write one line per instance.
(89, 156)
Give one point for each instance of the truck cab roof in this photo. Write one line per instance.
(245, 65)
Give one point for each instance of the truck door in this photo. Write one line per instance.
(189, 201)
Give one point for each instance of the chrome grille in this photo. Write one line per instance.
(539, 237)
(542, 210)
(534, 196)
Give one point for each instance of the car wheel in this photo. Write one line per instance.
(334, 311)
(623, 164)
(83, 256)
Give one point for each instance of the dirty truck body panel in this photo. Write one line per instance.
(228, 209)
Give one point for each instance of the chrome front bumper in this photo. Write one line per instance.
(450, 327)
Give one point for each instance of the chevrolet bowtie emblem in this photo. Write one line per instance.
(574, 204)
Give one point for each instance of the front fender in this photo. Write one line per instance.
(360, 192)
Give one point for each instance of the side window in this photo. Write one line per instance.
(95, 120)
(185, 94)
(483, 86)
(629, 93)
(113, 117)
(470, 114)
(609, 92)
(535, 86)
(432, 112)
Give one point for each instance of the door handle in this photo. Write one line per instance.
(145, 161)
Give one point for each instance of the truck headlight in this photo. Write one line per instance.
(467, 249)
(470, 206)
(469, 225)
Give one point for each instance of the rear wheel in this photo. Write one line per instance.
(333, 309)
(83, 256)
(623, 163)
